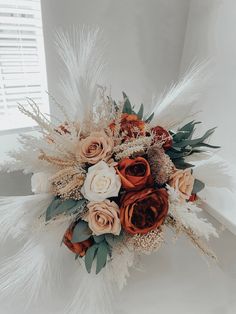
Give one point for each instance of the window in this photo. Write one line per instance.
(22, 61)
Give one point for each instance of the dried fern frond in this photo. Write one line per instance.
(136, 146)
(57, 161)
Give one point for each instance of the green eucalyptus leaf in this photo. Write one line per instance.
(149, 119)
(181, 164)
(185, 132)
(197, 140)
(59, 206)
(127, 105)
(112, 239)
(99, 238)
(102, 253)
(140, 112)
(90, 256)
(176, 155)
(198, 186)
(206, 145)
(81, 232)
(78, 208)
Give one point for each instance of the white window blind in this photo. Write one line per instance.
(22, 61)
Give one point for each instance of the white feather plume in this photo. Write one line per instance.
(18, 214)
(118, 268)
(94, 294)
(173, 107)
(35, 270)
(216, 172)
(82, 56)
(186, 213)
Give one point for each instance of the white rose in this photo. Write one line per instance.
(101, 183)
(40, 183)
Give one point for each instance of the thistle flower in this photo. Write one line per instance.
(161, 165)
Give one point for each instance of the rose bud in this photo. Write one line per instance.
(162, 135)
(79, 248)
(144, 210)
(182, 181)
(134, 173)
(193, 198)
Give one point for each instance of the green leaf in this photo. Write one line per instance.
(197, 140)
(59, 206)
(149, 119)
(102, 252)
(99, 239)
(185, 132)
(79, 207)
(140, 112)
(112, 240)
(198, 186)
(177, 154)
(127, 105)
(81, 232)
(181, 164)
(90, 256)
(206, 145)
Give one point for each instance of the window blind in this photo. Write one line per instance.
(22, 61)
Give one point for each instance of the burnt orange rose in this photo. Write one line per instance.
(144, 210)
(134, 173)
(79, 248)
(161, 134)
(130, 125)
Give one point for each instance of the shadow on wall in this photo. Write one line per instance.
(15, 183)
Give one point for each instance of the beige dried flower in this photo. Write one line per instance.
(67, 182)
(146, 243)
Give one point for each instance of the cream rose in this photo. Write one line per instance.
(103, 217)
(97, 146)
(101, 183)
(182, 181)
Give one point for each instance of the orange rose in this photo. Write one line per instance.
(144, 211)
(161, 134)
(130, 125)
(79, 248)
(134, 173)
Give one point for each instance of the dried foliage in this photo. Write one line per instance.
(67, 182)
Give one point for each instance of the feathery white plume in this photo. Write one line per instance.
(94, 294)
(82, 56)
(18, 214)
(216, 172)
(186, 213)
(177, 104)
(36, 269)
(118, 268)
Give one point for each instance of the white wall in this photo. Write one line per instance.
(210, 34)
(144, 41)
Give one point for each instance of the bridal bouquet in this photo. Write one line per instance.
(108, 180)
